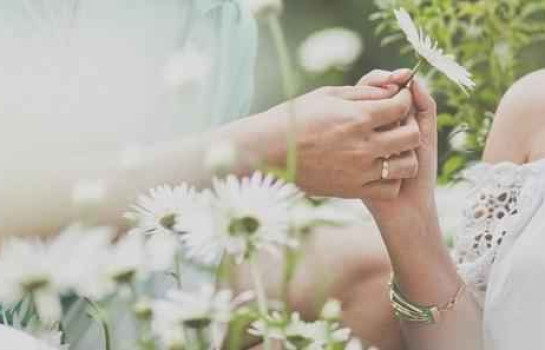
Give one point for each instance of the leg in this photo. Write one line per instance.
(349, 264)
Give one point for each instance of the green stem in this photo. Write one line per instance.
(414, 71)
(201, 339)
(99, 316)
(289, 85)
(261, 298)
(290, 261)
(177, 272)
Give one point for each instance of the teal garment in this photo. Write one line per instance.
(92, 81)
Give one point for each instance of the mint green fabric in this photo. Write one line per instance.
(92, 81)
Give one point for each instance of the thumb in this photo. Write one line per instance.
(426, 113)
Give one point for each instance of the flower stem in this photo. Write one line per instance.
(261, 298)
(414, 71)
(290, 261)
(201, 339)
(177, 272)
(289, 85)
(99, 316)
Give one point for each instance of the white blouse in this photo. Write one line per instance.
(501, 252)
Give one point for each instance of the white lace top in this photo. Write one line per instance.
(502, 201)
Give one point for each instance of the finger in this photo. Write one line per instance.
(401, 76)
(383, 78)
(387, 111)
(398, 140)
(381, 190)
(400, 167)
(355, 93)
(403, 167)
(423, 101)
(377, 77)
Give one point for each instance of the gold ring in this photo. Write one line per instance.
(385, 169)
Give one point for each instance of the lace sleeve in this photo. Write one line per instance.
(501, 202)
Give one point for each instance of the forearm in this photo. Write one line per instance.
(427, 276)
(39, 200)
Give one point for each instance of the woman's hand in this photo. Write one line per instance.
(416, 194)
(343, 133)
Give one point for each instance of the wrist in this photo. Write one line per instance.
(415, 219)
(259, 141)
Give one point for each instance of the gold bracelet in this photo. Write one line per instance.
(405, 310)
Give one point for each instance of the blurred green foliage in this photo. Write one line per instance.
(498, 40)
(489, 37)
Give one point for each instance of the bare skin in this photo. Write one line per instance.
(518, 135)
(339, 151)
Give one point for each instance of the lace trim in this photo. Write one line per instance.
(499, 205)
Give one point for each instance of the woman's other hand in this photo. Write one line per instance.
(342, 135)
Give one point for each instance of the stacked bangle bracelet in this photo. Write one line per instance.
(408, 311)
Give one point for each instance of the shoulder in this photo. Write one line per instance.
(519, 122)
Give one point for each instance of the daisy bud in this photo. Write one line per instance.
(89, 192)
(186, 68)
(458, 140)
(331, 310)
(264, 8)
(220, 157)
(334, 48)
(142, 310)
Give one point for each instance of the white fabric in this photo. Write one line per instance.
(500, 252)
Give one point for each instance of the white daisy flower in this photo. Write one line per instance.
(127, 261)
(160, 211)
(203, 309)
(333, 48)
(161, 251)
(80, 256)
(429, 51)
(458, 139)
(187, 68)
(13, 339)
(89, 192)
(262, 8)
(355, 344)
(26, 268)
(272, 325)
(220, 157)
(331, 310)
(306, 216)
(248, 215)
(298, 334)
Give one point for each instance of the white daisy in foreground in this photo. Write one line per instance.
(333, 48)
(331, 310)
(300, 335)
(26, 269)
(160, 211)
(428, 50)
(80, 256)
(181, 310)
(127, 261)
(13, 339)
(306, 217)
(249, 214)
(261, 8)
